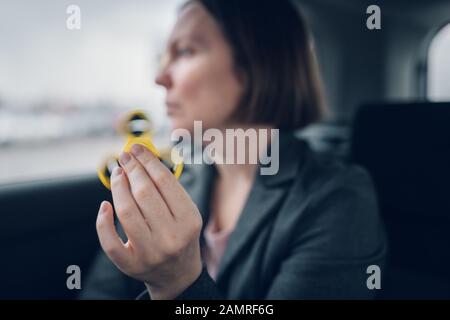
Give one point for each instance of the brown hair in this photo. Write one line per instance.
(273, 52)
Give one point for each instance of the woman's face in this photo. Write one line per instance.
(198, 72)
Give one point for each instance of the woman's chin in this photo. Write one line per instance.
(179, 124)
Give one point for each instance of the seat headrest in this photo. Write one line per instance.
(406, 148)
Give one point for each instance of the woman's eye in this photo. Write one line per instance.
(184, 52)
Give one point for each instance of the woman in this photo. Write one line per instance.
(225, 231)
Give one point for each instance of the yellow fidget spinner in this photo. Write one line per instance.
(137, 129)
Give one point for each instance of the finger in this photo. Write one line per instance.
(127, 211)
(108, 237)
(147, 197)
(173, 193)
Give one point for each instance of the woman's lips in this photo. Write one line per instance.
(171, 108)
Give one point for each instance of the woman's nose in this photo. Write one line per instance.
(163, 79)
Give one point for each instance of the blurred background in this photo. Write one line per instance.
(63, 91)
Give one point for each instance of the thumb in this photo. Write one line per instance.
(108, 237)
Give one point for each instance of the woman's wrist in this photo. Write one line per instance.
(173, 290)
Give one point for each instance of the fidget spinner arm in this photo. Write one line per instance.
(137, 129)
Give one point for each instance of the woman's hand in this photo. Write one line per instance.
(160, 220)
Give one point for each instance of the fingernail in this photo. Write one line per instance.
(124, 158)
(137, 149)
(103, 207)
(117, 171)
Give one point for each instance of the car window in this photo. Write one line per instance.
(68, 73)
(438, 78)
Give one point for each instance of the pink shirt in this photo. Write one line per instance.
(214, 248)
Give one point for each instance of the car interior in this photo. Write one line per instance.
(376, 85)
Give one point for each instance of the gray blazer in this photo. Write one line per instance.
(308, 232)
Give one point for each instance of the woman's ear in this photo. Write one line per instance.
(242, 78)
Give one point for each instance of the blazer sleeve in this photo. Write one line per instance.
(204, 288)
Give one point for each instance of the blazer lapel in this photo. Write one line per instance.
(259, 207)
(198, 179)
(264, 201)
